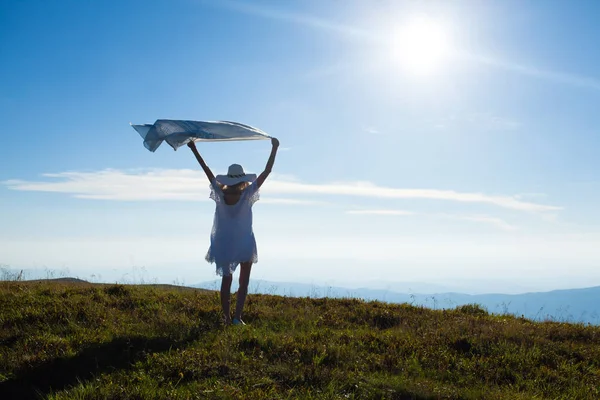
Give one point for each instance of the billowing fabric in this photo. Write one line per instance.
(178, 132)
(232, 238)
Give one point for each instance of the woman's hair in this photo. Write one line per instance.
(238, 187)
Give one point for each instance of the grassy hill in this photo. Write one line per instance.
(63, 340)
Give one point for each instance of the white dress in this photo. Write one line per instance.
(232, 238)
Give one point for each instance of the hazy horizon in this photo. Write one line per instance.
(142, 275)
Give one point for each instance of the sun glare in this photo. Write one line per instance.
(421, 46)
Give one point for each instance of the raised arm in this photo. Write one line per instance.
(261, 178)
(207, 170)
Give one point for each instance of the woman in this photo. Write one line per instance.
(232, 239)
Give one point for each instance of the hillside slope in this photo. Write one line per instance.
(61, 340)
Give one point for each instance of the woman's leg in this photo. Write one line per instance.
(226, 297)
(245, 269)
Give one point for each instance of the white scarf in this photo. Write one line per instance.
(178, 132)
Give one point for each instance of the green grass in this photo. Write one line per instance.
(91, 341)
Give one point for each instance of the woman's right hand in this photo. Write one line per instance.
(275, 142)
(191, 144)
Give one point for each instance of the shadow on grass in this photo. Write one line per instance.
(57, 374)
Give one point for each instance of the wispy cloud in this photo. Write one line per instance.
(294, 17)
(492, 122)
(380, 212)
(154, 185)
(554, 76)
(371, 130)
(366, 189)
(482, 121)
(530, 195)
(484, 219)
(191, 185)
(293, 202)
(112, 184)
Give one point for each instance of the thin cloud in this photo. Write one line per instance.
(530, 195)
(380, 212)
(371, 130)
(481, 121)
(191, 185)
(294, 17)
(492, 122)
(366, 189)
(293, 202)
(554, 76)
(112, 184)
(483, 219)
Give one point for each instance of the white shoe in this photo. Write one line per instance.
(238, 322)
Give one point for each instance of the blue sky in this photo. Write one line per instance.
(478, 167)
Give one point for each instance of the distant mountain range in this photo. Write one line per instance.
(570, 305)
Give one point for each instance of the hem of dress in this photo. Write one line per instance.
(231, 266)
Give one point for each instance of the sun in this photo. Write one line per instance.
(421, 46)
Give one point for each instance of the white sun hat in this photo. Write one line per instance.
(235, 175)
